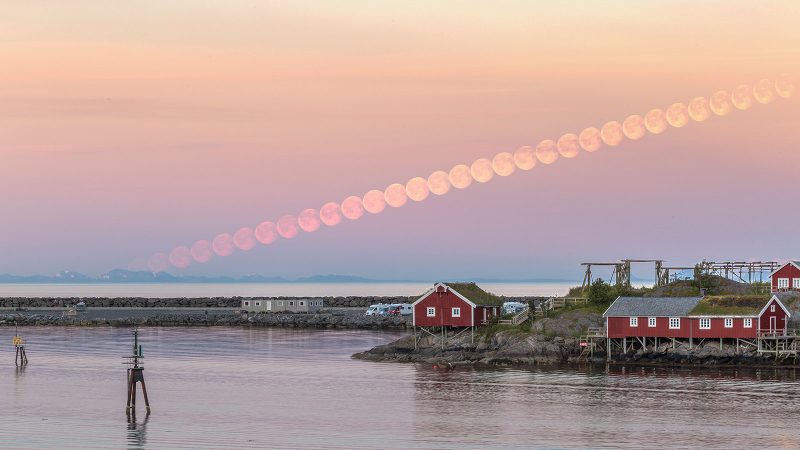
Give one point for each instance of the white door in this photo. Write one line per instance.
(773, 324)
(269, 305)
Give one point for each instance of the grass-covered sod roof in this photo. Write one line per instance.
(730, 305)
(475, 294)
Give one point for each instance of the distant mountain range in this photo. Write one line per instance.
(128, 276)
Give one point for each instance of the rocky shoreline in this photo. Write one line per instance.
(524, 349)
(202, 318)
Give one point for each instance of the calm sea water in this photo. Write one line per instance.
(274, 388)
(260, 289)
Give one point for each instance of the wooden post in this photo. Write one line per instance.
(136, 375)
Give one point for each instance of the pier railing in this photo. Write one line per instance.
(562, 302)
(518, 318)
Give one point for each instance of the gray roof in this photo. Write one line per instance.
(651, 306)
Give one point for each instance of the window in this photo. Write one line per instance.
(728, 322)
(651, 322)
(748, 323)
(431, 312)
(246, 303)
(302, 303)
(456, 312)
(280, 302)
(796, 283)
(772, 308)
(291, 303)
(705, 324)
(258, 303)
(674, 323)
(783, 283)
(634, 321)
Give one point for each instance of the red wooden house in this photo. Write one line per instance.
(455, 305)
(695, 317)
(786, 277)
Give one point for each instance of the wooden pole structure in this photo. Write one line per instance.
(136, 375)
(20, 357)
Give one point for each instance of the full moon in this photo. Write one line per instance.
(677, 116)
(460, 176)
(655, 121)
(201, 251)
(763, 92)
(439, 182)
(698, 109)
(374, 202)
(287, 226)
(180, 257)
(742, 97)
(524, 158)
(633, 127)
(395, 195)
(720, 103)
(353, 207)
(243, 239)
(417, 189)
(568, 145)
(611, 133)
(158, 262)
(784, 86)
(266, 233)
(481, 170)
(330, 214)
(223, 244)
(547, 152)
(308, 220)
(503, 164)
(590, 139)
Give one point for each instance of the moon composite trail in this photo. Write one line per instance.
(482, 170)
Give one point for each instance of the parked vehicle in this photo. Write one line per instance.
(406, 309)
(514, 307)
(373, 310)
(394, 309)
(383, 310)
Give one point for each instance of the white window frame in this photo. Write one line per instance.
(246, 303)
(671, 319)
(455, 312)
(651, 322)
(772, 308)
(728, 322)
(796, 283)
(258, 303)
(280, 302)
(302, 303)
(783, 283)
(747, 323)
(291, 303)
(705, 323)
(634, 322)
(431, 312)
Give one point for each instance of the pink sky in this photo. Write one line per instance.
(128, 129)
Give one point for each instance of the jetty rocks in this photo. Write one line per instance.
(177, 318)
(191, 302)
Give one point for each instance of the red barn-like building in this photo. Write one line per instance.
(786, 278)
(455, 305)
(695, 317)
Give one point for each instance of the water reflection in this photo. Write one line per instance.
(137, 432)
(239, 388)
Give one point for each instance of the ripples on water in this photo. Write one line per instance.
(274, 388)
